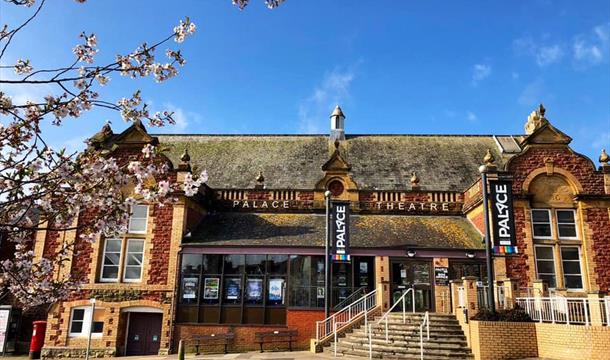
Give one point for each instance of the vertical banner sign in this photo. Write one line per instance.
(503, 218)
(339, 231)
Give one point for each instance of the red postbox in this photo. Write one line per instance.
(40, 327)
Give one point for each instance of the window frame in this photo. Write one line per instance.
(559, 237)
(86, 321)
(563, 274)
(553, 261)
(129, 230)
(126, 258)
(117, 279)
(550, 213)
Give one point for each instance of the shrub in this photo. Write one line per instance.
(512, 315)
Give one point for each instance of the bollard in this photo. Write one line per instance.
(180, 350)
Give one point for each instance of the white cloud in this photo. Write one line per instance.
(182, 118)
(549, 54)
(472, 117)
(332, 90)
(480, 72)
(592, 49)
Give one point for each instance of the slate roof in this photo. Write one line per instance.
(307, 230)
(379, 162)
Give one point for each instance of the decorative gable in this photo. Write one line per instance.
(547, 134)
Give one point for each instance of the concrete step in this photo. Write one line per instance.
(411, 332)
(401, 326)
(394, 348)
(356, 343)
(401, 340)
(415, 355)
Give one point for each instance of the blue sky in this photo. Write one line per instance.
(413, 67)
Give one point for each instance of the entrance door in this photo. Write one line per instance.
(144, 334)
(416, 274)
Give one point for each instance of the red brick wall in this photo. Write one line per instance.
(579, 166)
(305, 322)
(306, 195)
(516, 266)
(598, 222)
(161, 242)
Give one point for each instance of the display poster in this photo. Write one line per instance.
(189, 287)
(233, 289)
(342, 279)
(403, 273)
(4, 318)
(320, 293)
(210, 288)
(364, 267)
(276, 289)
(254, 289)
(441, 275)
(364, 280)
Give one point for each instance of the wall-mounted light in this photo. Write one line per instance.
(411, 253)
(470, 254)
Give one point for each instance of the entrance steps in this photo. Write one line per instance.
(447, 340)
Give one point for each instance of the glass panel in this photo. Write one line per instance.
(137, 225)
(112, 258)
(254, 290)
(275, 316)
(255, 264)
(113, 245)
(135, 246)
(211, 290)
(139, 211)
(573, 281)
(276, 291)
(254, 315)
(278, 264)
(565, 216)
(191, 263)
(110, 272)
(98, 327)
(543, 230)
(540, 216)
(231, 315)
(571, 268)
(77, 327)
(547, 267)
(232, 290)
(544, 252)
(234, 264)
(78, 314)
(134, 259)
(549, 279)
(212, 264)
(569, 253)
(132, 272)
(187, 314)
(190, 289)
(209, 314)
(567, 230)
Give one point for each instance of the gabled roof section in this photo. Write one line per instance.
(136, 134)
(336, 162)
(547, 134)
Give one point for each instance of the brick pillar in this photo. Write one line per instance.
(470, 293)
(455, 296)
(595, 308)
(606, 170)
(441, 291)
(539, 289)
(382, 276)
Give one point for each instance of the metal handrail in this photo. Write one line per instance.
(346, 315)
(360, 291)
(385, 317)
(567, 310)
(425, 322)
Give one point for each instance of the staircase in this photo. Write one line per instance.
(447, 340)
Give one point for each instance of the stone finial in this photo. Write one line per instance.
(414, 180)
(489, 158)
(185, 157)
(536, 120)
(604, 158)
(260, 178)
(101, 135)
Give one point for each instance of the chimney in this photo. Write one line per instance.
(337, 125)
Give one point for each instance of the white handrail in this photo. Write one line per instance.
(385, 317)
(426, 322)
(346, 315)
(565, 310)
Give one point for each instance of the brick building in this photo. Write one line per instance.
(247, 252)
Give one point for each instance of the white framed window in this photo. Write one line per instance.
(541, 223)
(572, 271)
(566, 224)
(111, 260)
(134, 256)
(545, 264)
(80, 322)
(138, 219)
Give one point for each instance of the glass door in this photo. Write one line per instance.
(416, 274)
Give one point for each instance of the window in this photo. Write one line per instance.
(127, 267)
(566, 224)
(111, 260)
(545, 265)
(138, 219)
(570, 262)
(80, 322)
(133, 261)
(541, 221)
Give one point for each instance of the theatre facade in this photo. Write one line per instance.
(246, 254)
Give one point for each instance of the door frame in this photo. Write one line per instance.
(139, 309)
(430, 285)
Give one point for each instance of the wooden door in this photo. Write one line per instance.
(144, 334)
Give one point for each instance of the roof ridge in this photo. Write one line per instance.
(346, 136)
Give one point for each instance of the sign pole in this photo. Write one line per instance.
(92, 301)
(327, 285)
(488, 249)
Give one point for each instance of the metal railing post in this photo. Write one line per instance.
(335, 331)
(370, 343)
(585, 309)
(404, 309)
(413, 298)
(552, 310)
